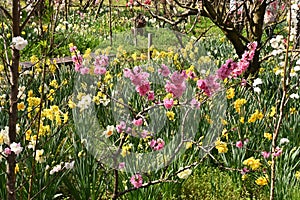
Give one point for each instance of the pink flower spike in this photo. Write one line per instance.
(168, 103)
(239, 144)
(136, 180)
(138, 122)
(7, 151)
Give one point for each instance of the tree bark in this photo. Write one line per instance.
(13, 112)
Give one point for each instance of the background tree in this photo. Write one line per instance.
(240, 21)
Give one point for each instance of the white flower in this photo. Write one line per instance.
(283, 141)
(109, 131)
(4, 138)
(69, 165)
(19, 42)
(257, 89)
(39, 156)
(84, 102)
(256, 82)
(294, 96)
(297, 68)
(16, 147)
(55, 169)
(184, 174)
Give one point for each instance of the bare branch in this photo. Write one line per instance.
(8, 15)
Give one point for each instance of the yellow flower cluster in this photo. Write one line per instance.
(255, 116)
(252, 163)
(55, 114)
(297, 174)
(230, 93)
(33, 101)
(268, 136)
(261, 181)
(238, 104)
(170, 115)
(273, 111)
(126, 149)
(221, 146)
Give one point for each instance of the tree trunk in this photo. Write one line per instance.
(13, 112)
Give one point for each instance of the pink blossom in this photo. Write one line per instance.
(209, 85)
(73, 49)
(164, 71)
(144, 134)
(121, 127)
(100, 70)
(242, 66)
(139, 79)
(157, 145)
(143, 89)
(168, 103)
(16, 148)
(136, 180)
(176, 90)
(194, 103)
(191, 74)
(265, 154)
(225, 70)
(278, 152)
(177, 84)
(138, 122)
(151, 95)
(77, 60)
(128, 130)
(121, 165)
(84, 70)
(244, 82)
(127, 72)
(7, 151)
(245, 170)
(239, 144)
(178, 78)
(101, 61)
(252, 46)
